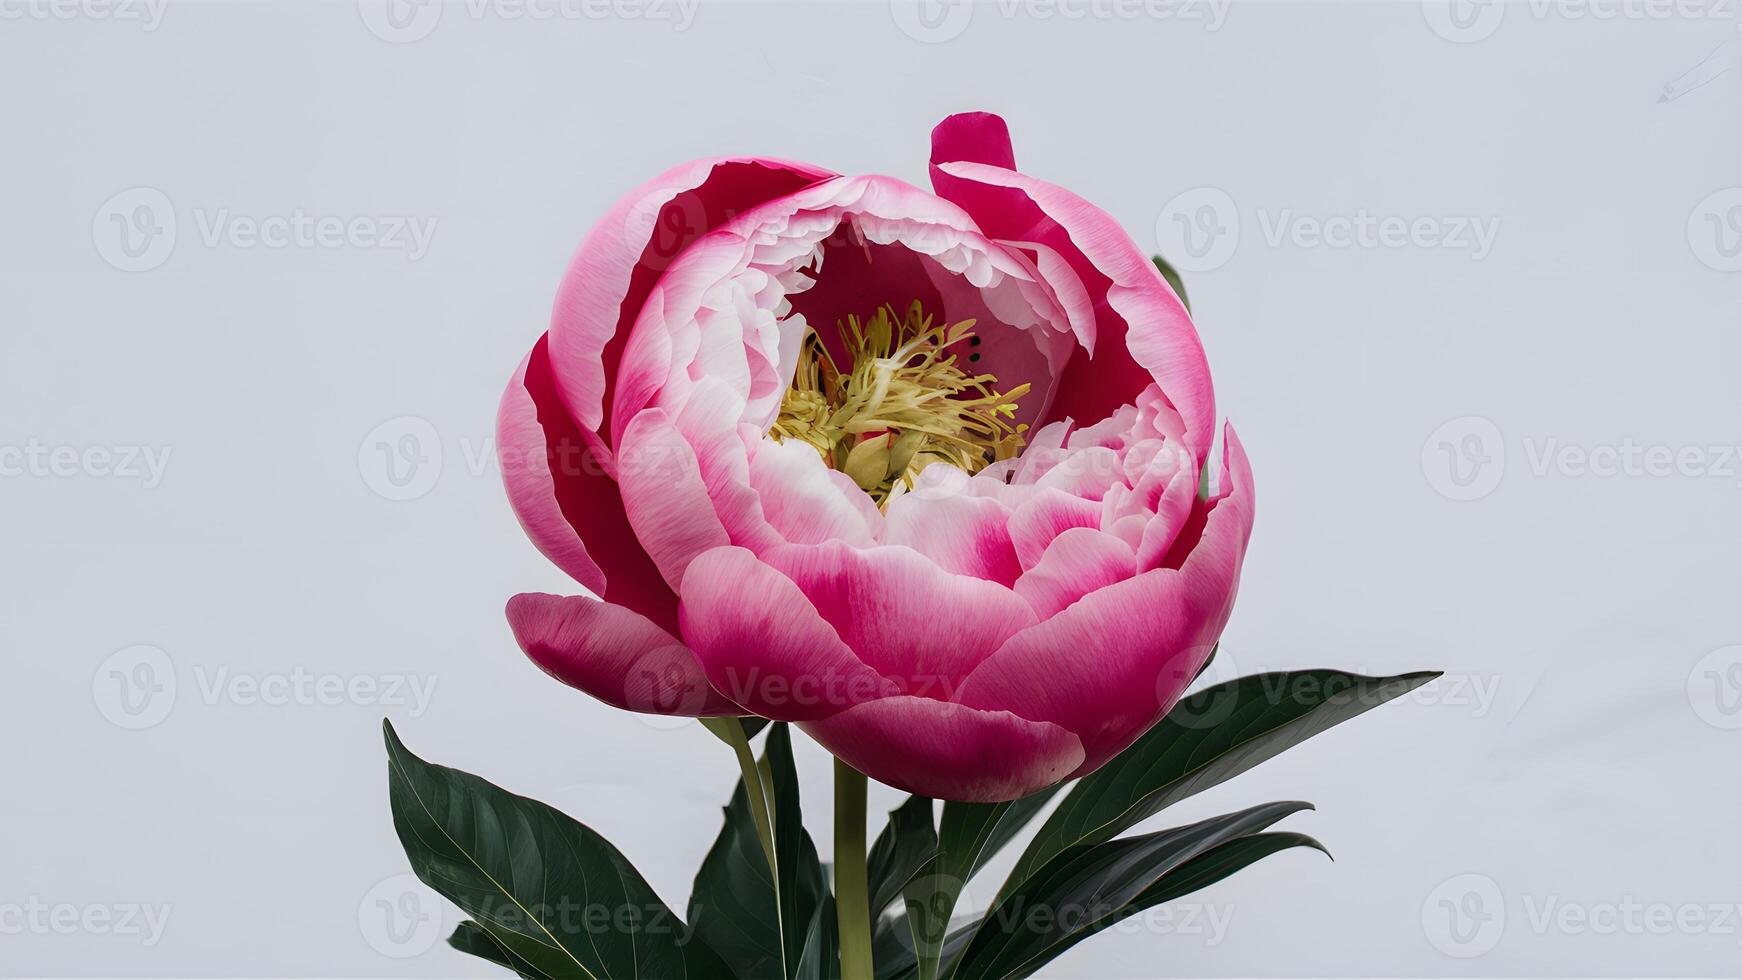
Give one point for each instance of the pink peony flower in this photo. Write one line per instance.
(916, 471)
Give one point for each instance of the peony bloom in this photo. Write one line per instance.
(917, 471)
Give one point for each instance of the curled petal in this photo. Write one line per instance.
(965, 535)
(623, 255)
(1078, 562)
(558, 484)
(915, 623)
(1142, 330)
(1118, 659)
(949, 751)
(760, 641)
(613, 654)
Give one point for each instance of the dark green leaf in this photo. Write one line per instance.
(900, 852)
(1087, 887)
(555, 896)
(760, 930)
(821, 958)
(969, 835)
(470, 937)
(1169, 273)
(1207, 738)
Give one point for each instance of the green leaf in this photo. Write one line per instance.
(556, 898)
(1089, 887)
(1207, 738)
(821, 958)
(900, 852)
(969, 835)
(758, 927)
(1200, 872)
(1171, 274)
(470, 937)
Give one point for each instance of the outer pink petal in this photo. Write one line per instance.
(1079, 561)
(760, 641)
(915, 623)
(963, 534)
(624, 254)
(613, 654)
(572, 510)
(1142, 330)
(949, 751)
(1119, 658)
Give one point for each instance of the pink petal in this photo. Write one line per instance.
(760, 641)
(918, 625)
(614, 655)
(556, 479)
(949, 751)
(1142, 330)
(806, 501)
(1119, 658)
(1050, 513)
(623, 255)
(665, 496)
(964, 535)
(1078, 562)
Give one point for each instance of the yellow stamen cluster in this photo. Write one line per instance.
(905, 404)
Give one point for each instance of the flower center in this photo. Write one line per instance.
(904, 405)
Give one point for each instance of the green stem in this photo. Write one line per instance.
(731, 731)
(852, 903)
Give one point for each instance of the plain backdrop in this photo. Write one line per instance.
(1499, 442)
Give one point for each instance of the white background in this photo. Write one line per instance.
(1582, 752)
